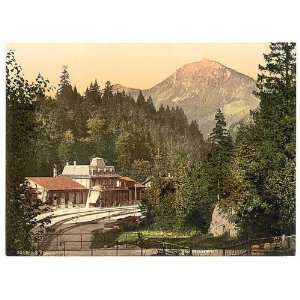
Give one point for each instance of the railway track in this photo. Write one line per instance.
(70, 223)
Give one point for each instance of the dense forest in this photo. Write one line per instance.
(126, 133)
(251, 177)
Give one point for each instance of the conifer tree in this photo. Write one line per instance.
(64, 83)
(150, 106)
(140, 99)
(220, 154)
(263, 168)
(107, 92)
(276, 120)
(276, 84)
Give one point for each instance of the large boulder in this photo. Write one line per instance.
(220, 224)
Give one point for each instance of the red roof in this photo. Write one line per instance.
(57, 183)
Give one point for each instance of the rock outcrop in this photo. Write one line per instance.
(221, 225)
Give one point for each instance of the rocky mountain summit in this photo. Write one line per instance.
(200, 88)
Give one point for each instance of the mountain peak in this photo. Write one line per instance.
(203, 65)
(207, 61)
(200, 88)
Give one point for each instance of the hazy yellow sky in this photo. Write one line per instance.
(133, 65)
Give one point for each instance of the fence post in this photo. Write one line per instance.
(224, 252)
(57, 241)
(141, 251)
(80, 240)
(64, 248)
(91, 251)
(117, 250)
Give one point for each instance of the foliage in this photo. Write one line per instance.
(220, 156)
(180, 199)
(196, 193)
(141, 169)
(263, 169)
(66, 146)
(115, 126)
(21, 148)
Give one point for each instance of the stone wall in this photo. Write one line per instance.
(283, 245)
(221, 225)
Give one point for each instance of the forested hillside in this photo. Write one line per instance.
(127, 133)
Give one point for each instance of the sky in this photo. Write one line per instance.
(133, 65)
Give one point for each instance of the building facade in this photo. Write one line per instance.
(59, 192)
(106, 187)
(93, 185)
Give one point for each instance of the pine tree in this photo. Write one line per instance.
(93, 96)
(107, 93)
(220, 154)
(140, 99)
(64, 83)
(263, 168)
(276, 84)
(150, 108)
(276, 119)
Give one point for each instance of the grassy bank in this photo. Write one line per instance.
(150, 238)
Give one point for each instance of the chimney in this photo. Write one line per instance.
(54, 171)
(74, 162)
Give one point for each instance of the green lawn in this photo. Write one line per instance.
(155, 238)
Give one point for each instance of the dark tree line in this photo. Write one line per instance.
(114, 126)
(263, 168)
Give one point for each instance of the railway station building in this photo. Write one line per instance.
(93, 185)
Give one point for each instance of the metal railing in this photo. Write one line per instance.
(87, 244)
